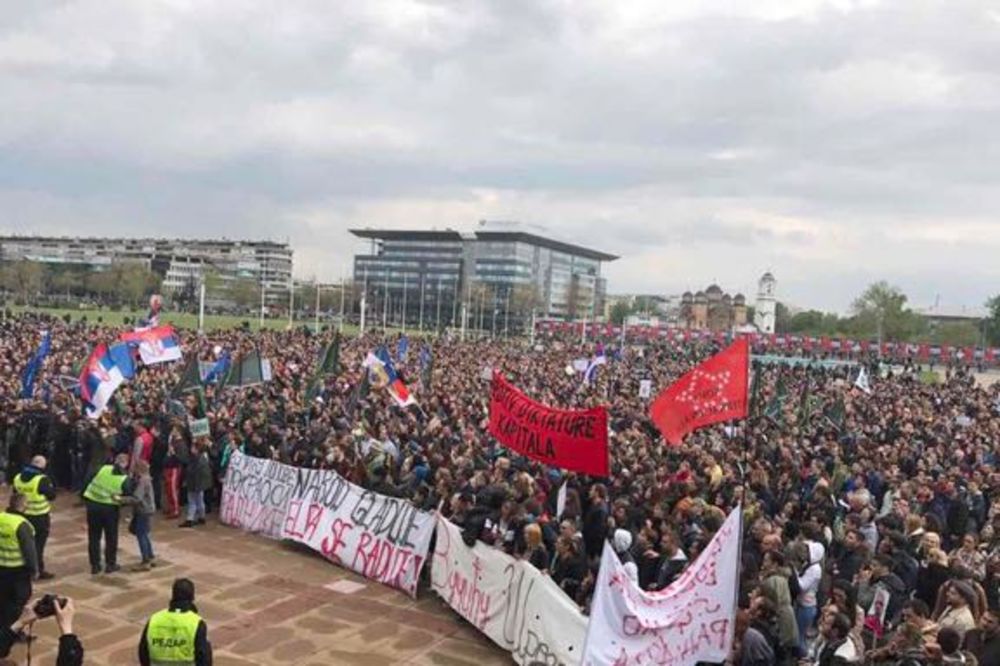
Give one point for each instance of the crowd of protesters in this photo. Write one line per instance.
(870, 537)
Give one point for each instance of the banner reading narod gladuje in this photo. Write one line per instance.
(576, 440)
(383, 538)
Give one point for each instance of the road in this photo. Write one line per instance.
(265, 603)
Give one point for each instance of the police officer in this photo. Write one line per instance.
(18, 563)
(102, 497)
(38, 491)
(178, 635)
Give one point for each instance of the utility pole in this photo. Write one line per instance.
(291, 303)
(454, 303)
(583, 330)
(532, 328)
(465, 316)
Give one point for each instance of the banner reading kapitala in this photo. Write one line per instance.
(576, 440)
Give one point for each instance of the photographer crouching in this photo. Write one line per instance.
(70, 648)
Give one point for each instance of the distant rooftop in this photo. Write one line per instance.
(953, 312)
(482, 235)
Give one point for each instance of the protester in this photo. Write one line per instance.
(143, 507)
(70, 648)
(876, 493)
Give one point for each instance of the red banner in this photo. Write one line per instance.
(714, 391)
(576, 440)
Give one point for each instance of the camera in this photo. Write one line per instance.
(46, 606)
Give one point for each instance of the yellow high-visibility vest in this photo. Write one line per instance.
(37, 503)
(170, 637)
(10, 547)
(104, 486)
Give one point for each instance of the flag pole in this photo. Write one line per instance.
(747, 439)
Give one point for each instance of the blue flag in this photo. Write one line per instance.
(402, 348)
(220, 368)
(34, 365)
(425, 356)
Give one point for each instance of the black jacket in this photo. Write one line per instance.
(202, 648)
(70, 647)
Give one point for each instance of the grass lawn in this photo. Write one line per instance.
(177, 319)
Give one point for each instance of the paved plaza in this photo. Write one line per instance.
(265, 603)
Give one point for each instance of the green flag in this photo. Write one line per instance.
(836, 413)
(755, 381)
(190, 378)
(330, 361)
(329, 364)
(777, 402)
(806, 404)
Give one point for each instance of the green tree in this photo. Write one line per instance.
(993, 321)
(881, 309)
(245, 292)
(956, 333)
(619, 311)
(782, 319)
(25, 278)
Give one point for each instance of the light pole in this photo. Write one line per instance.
(343, 284)
(423, 283)
(316, 313)
(438, 324)
(403, 311)
(291, 303)
(262, 292)
(385, 304)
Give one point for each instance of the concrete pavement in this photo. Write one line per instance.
(265, 603)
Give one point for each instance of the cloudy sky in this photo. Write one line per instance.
(834, 143)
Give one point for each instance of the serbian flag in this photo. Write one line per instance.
(714, 391)
(380, 365)
(156, 345)
(103, 372)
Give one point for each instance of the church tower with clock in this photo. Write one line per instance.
(766, 306)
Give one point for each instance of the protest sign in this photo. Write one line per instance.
(645, 388)
(692, 620)
(574, 440)
(199, 427)
(510, 601)
(383, 538)
(255, 494)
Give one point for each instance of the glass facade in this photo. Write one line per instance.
(430, 277)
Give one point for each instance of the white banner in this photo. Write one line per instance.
(645, 388)
(384, 539)
(255, 494)
(510, 601)
(692, 620)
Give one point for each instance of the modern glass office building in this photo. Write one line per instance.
(499, 276)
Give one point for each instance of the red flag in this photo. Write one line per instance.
(714, 391)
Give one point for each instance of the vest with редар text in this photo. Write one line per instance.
(170, 637)
(36, 504)
(11, 556)
(104, 486)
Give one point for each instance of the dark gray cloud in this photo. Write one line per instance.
(832, 142)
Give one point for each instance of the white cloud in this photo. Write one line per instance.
(831, 141)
